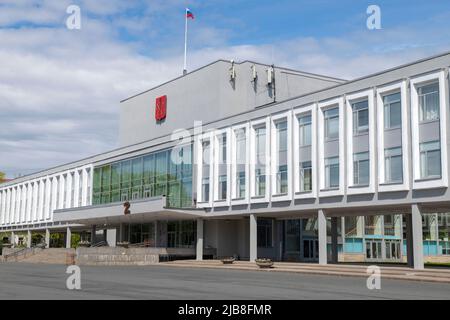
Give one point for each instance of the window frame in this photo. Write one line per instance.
(415, 83)
(218, 201)
(351, 99)
(281, 117)
(255, 124)
(426, 152)
(199, 156)
(321, 107)
(235, 200)
(310, 110)
(383, 184)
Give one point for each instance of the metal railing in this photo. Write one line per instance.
(23, 252)
(99, 244)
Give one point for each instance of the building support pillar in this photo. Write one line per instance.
(253, 237)
(111, 237)
(322, 226)
(415, 238)
(29, 239)
(121, 233)
(199, 249)
(47, 238)
(13, 239)
(93, 232)
(334, 240)
(68, 238)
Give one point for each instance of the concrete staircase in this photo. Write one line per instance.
(387, 272)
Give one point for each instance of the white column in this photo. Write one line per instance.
(41, 201)
(23, 207)
(17, 206)
(12, 207)
(417, 237)
(2, 206)
(77, 194)
(47, 238)
(199, 251)
(322, 221)
(29, 239)
(68, 238)
(253, 238)
(35, 201)
(8, 206)
(47, 204)
(84, 188)
(13, 239)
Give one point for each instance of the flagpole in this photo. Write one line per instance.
(185, 43)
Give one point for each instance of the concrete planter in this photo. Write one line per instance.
(264, 263)
(228, 260)
(84, 244)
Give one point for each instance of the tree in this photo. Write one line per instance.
(2, 176)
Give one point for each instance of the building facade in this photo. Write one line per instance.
(252, 160)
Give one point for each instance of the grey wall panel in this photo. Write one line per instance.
(429, 131)
(392, 138)
(209, 94)
(361, 143)
(305, 154)
(331, 149)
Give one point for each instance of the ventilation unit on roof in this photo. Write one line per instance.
(232, 71)
(270, 75)
(254, 73)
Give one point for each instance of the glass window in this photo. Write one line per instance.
(145, 177)
(361, 171)
(240, 184)
(206, 170)
(393, 165)
(222, 187)
(223, 148)
(331, 118)
(332, 172)
(222, 167)
(282, 168)
(444, 233)
(181, 234)
(304, 123)
(351, 226)
(392, 111)
(305, 176)
(430, 159)
(293, 236)
(264, 233)
(429, 102)
(260, 165)
(360, 117)
(241, 161)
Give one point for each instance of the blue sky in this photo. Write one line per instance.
(60, 89)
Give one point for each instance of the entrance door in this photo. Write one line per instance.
(310, 249)
(373, 250)
(393, 248)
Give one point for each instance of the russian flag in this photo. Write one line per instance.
(189, 14)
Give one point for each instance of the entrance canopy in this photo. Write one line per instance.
(139, 211)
